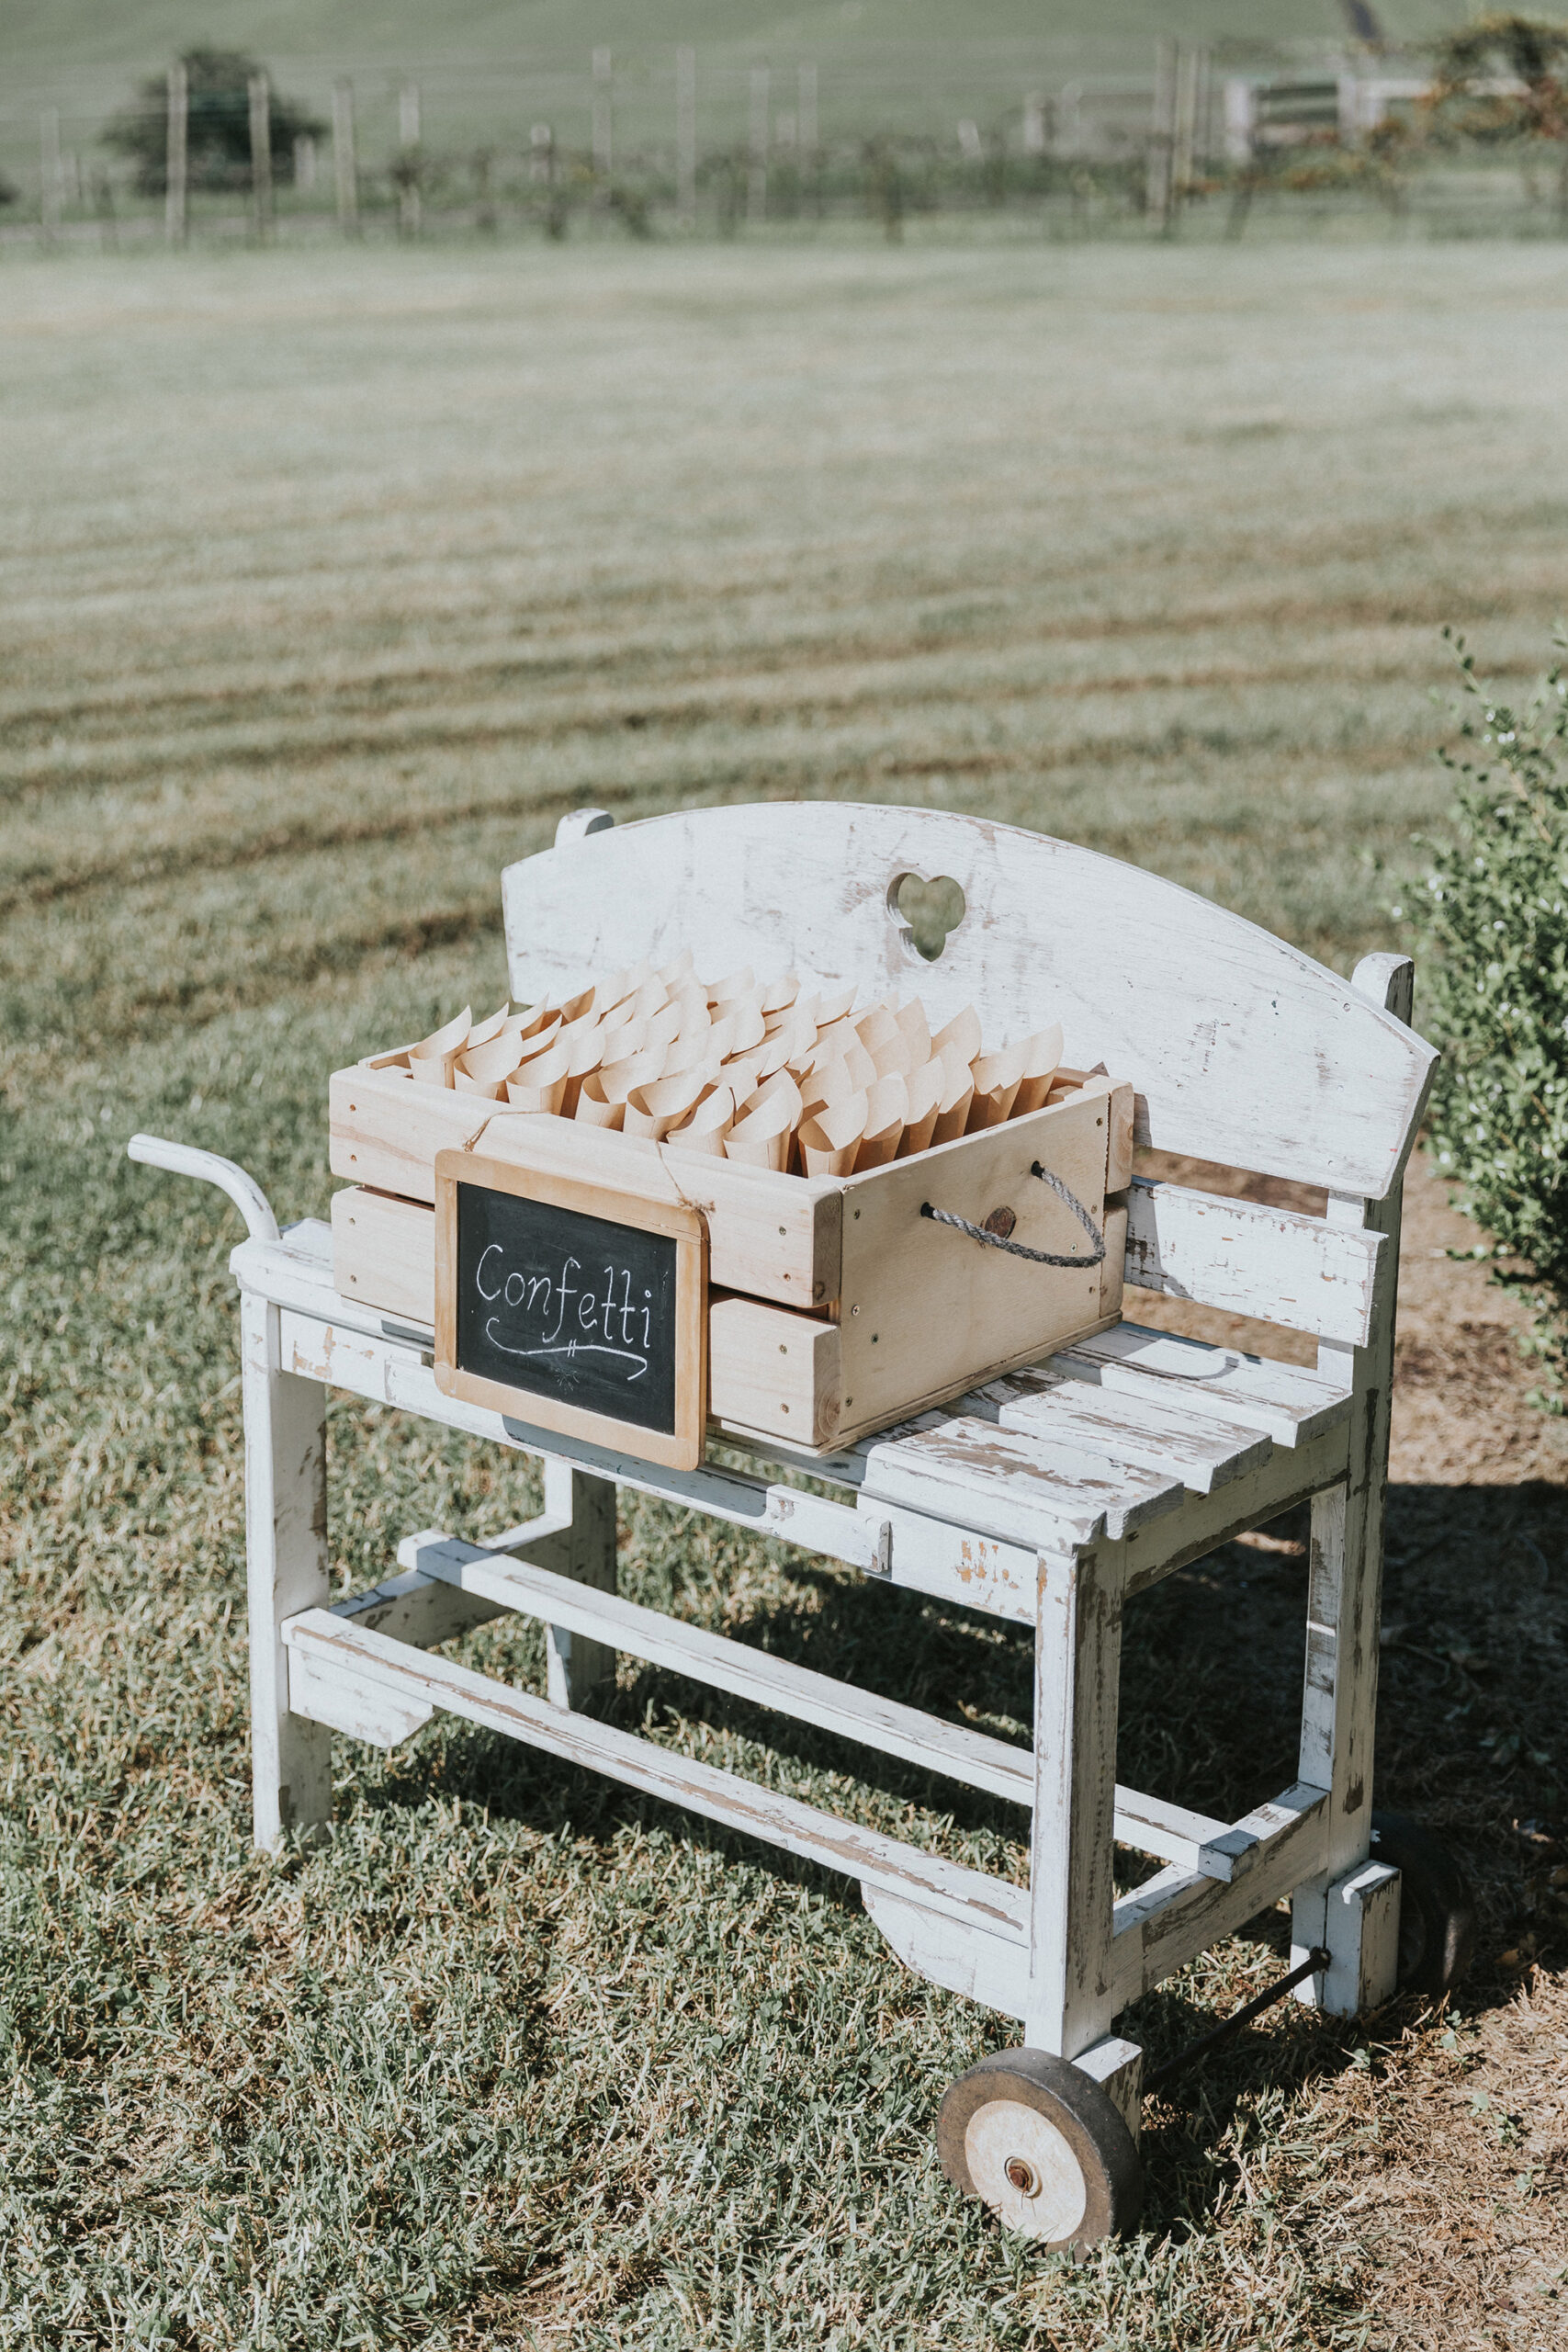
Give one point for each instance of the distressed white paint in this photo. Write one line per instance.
(1299, 1271)
(1241, 1048)
(1078, 1655)
(992, 1905)
(1345, 1602)
(286, 1570)
(992, 1969)
(1202, 1452)
(1293, 1405)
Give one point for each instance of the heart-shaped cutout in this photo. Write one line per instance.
(928, 910)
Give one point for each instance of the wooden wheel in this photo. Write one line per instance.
(1043, 2147)
(1437, 1918)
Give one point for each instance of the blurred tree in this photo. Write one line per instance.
(1505, 77)
(219, 137)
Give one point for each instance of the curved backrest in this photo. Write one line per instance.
(1241, 1049)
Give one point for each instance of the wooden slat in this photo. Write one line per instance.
(496, 1581)
(968, 1896)
(1025, 1489)
(1299, 1271)
(1294, 1405)
(1201, 1453)
(1195, 1840)
(1241, 1049)
(1178, 1913)
(970, 1757)
(1205, 1521)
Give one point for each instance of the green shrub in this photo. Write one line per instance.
(1495, 910)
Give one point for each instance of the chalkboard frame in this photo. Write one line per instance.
(682, 1223)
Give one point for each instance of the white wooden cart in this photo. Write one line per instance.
(1047, 1500)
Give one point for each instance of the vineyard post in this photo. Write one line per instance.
(686, 136)
(174, 215)
(50, 175)
(261, 157)
(757, 178)
(345, 168)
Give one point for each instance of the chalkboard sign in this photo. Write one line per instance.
(571, 1307)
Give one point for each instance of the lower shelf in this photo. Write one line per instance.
(404, 1680)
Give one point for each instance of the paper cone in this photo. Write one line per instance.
(572, 1008)
(706, 1127)
(663, 1024)
(432, 1070)
(637, 1069)
(735, 984)
(494, 1090)
(874, 1026)
(1045, 1053)
(623, 1043)
(958, 1093)
(749, 1029)
(831, 1083)
(532, 1019)
(963, 1031)
(780, 994)
(541, 1083)
(761, 1134)
(885, 1109)
(916, 1031)
(583, 1042)
(448, 1040)
(592, 1110)
(925, 1087)
(894, 1056)
(676, 969)
(483, 1031)
(849, 1051)
(997, 1077)
(490, 1065)
(830, 1141)
(705, 1130)
(654, 1109)
(694, 1051)
(740, 1073)
(833, 1004)
(692, 1005)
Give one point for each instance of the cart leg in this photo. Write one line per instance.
(285, 1556)
(1072, 1891)
(577, 1667)
(1352, 1909)
(1345, 1910)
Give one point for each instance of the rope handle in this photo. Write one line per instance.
(1016, 1248)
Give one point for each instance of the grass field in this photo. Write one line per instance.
(330, 582)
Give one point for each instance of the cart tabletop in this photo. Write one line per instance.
(1099, 1444)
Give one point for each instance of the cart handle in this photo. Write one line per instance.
(1016, 1248)
(185, 1159)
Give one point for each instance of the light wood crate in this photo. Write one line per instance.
(835, 1307)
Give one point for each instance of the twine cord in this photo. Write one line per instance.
(1016, 1248)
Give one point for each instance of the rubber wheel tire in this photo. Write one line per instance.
(1437, 1918)
(1041, 2143)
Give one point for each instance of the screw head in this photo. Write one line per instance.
(1020, 2176)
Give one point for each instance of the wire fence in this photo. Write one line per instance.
(687, 146)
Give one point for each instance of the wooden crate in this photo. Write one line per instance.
(835, 1307)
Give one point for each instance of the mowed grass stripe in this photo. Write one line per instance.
(173, 814)
(127, 954)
